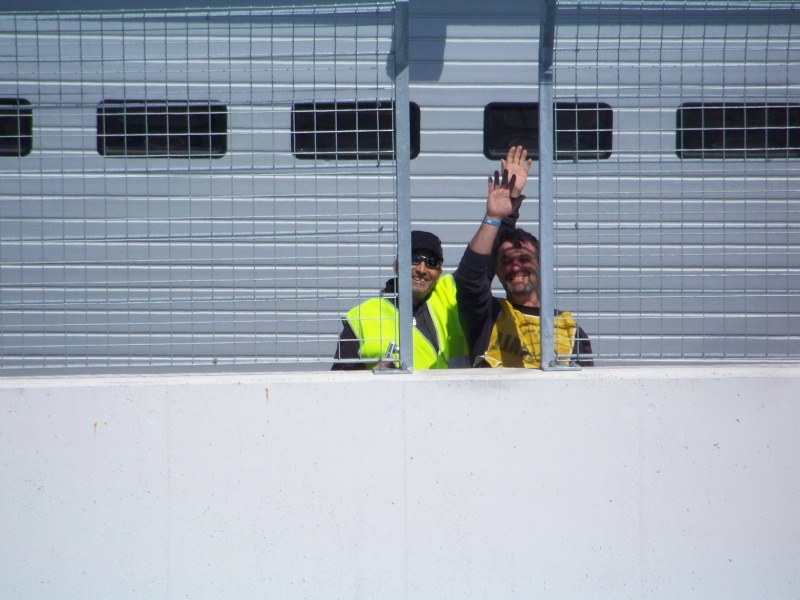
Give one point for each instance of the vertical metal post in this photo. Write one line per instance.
(402, 133)
(547, 28)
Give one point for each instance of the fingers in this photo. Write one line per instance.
(518, 163)
(523, 158)
(517, 156)
(494, 183)
(506, 183)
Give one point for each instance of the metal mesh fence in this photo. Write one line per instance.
(677, 179)
(158, 205)
(200, 187)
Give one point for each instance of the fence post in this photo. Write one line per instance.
(547, 28)
(402, 132)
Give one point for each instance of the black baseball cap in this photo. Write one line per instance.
(428, 241)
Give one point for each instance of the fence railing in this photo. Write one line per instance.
(219, 187)
(196, 187)
(677, 195)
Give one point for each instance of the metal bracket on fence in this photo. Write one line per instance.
(555, 365)
(388, 362)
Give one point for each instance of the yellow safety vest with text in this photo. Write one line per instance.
(516, 340)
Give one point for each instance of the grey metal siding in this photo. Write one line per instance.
(176, 259)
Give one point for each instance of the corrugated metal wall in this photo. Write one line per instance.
(248, 257)
(463, 57)
(657, 257)
(660, 258)
(670, 258)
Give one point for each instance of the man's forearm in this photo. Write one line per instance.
(483, 240)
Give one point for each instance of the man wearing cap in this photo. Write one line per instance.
(439, 340)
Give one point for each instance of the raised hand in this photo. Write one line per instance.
(498, 206)
(498, 201)
(517, 164)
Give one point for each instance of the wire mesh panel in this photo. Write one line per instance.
(677, 177)
(192, 187)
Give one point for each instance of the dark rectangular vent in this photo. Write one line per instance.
(154, 129)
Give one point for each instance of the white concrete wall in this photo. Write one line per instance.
(608, 483)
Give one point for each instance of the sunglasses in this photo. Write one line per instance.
(431, 262)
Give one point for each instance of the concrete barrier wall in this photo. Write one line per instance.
(607, 483)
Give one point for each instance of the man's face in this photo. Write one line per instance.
(423, 275)
(518, 271)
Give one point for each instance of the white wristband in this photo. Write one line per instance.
(491, 222)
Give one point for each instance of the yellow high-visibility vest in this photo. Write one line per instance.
(376, 325)
(516, 339)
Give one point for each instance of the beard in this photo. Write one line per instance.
(526, 290)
